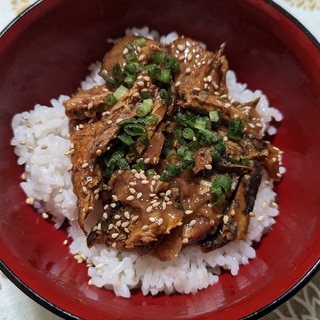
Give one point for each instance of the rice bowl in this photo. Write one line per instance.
(41, 141)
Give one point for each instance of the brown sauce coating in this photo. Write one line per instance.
(173, 159)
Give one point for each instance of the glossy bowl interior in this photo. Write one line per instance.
(46, 52)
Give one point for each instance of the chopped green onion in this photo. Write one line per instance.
(171, 171)
(153, 70)
(111, 80)
(236, 128)
(187, 164)
(157, 57)
(116, 160)
(220, 187)
(141, 42)
(144, 139)
(216, 156)
(214, 116)
(164, 76)
(188, 133)
(126, 139)
(165, 95)
(220, 147)
(134, 129)
(151, 120)
(172, 63)
(131, 56)
(202, 123)
(181, 151)
(120, 92)
(129, 81)
(111, 100)
(145, 95)
(131, 68)
(122, 164)
(118, 73)
(139, 166)
(151, 172)
(208, 137)
(144, 108)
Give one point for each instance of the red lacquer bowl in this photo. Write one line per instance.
(46, 52)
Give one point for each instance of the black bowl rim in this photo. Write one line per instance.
(256, 314)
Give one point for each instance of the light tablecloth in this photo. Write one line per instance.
(305, 305)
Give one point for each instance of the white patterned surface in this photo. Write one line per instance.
(305, 305)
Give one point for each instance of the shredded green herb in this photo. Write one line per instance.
(236, 129)
(220, 187)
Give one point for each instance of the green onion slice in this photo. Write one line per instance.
(120, 92)
(134, 129)
(144, 108)
(111, 100)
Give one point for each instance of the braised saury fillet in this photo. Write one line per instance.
(172, 158)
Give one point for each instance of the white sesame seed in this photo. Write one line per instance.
(118, 223)
(181, 46)
(149, 209)
(208, 166)
(84, 165)
(137, 175)
(188, 212)
(99, 265)
(141, 57)
(160, 221)
(65, 242)
(185, 240)
(139, 195)
(110, 226)
(30, 200)
(152, 219)
(125, 224)
(132, 190)
(127, 214)
(192, 223)
(225, 219)
(135, 218)
(90, 282)
(145, 227)
(130, 198)
(115, 235)
(188, 70)
(156, 204)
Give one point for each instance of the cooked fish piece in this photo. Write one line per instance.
(191, 158)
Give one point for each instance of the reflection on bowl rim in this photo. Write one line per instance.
(258, 313)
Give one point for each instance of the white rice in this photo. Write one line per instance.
(41, 143)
